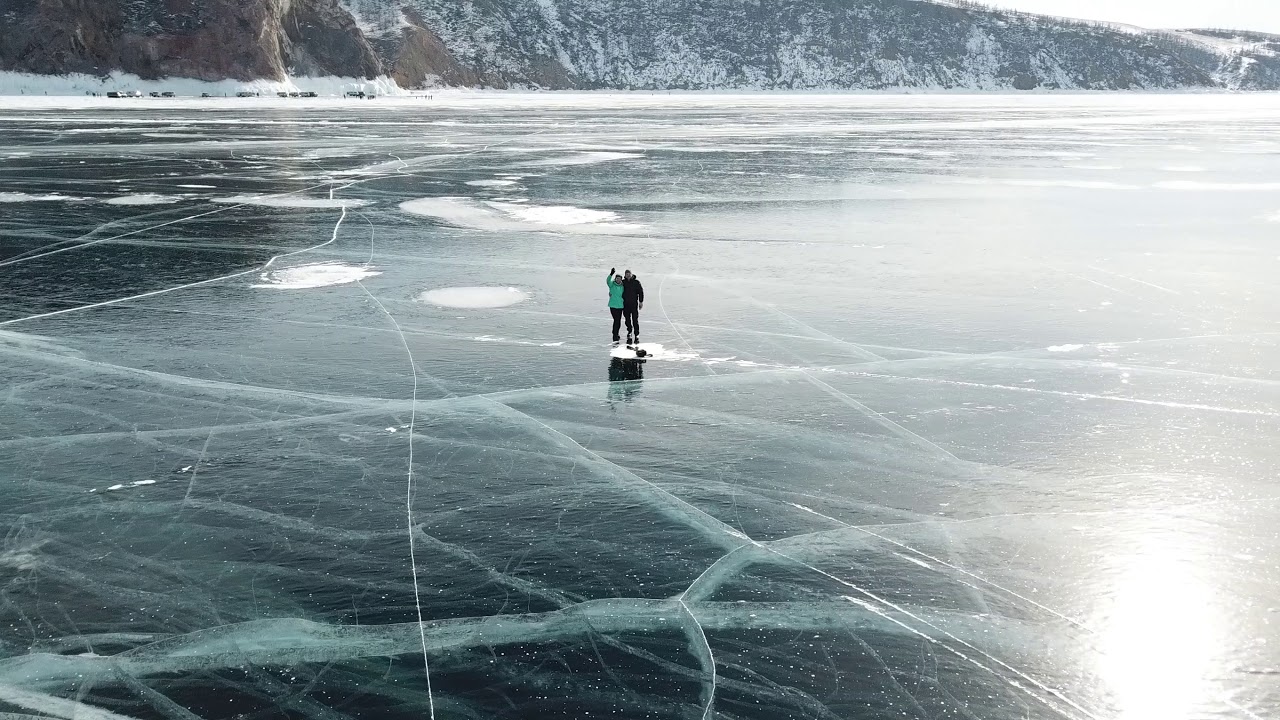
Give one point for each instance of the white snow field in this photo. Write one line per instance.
(955, 407)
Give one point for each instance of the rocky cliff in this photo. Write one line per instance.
(205, 39)
(640, 44)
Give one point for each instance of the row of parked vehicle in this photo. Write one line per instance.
(283, 94)
(242, 93)
(136, 94)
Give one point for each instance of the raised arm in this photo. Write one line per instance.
(608, 279)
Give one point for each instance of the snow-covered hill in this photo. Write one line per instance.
(642, 44)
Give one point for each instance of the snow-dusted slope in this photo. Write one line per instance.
(1251, 61)
(796, 44)
(694, 44)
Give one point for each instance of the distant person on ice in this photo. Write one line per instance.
(632, 303)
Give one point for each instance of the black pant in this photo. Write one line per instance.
(632, 316)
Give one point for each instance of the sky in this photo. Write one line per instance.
(1261, 15)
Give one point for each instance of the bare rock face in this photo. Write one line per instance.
(420, 58)
(60, 35)
(204, 39)
(323, 39)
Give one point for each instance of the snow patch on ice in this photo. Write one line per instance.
(557, 214)
(19, 197)
(460, 211)
(291, 201)
(1275, 217)
(1218, 187)
(1077, 184)
(917, 561)
(1064, 348)
(1183, 168)
(654, 351)
(491, 183)
(314, 276)
(590, 158)
(516, 215)
(143, 199)
(475, 298)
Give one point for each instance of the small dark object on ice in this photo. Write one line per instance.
(641, 352)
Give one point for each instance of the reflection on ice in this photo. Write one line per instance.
(624, 378)
(1154, 584)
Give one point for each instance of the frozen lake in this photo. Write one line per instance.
(964, 407)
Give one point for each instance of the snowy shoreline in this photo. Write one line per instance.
(78, 86)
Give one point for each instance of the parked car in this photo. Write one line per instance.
(282, 93)
(154, 93)
(308, 93)
(246, 93)
(167, 93)
(205, 95)
(113, 94)
(355, 93)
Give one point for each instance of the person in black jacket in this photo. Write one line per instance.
(632, 304)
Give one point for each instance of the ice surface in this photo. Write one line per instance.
(953, 410)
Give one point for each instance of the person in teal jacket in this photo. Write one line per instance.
(614, 282)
